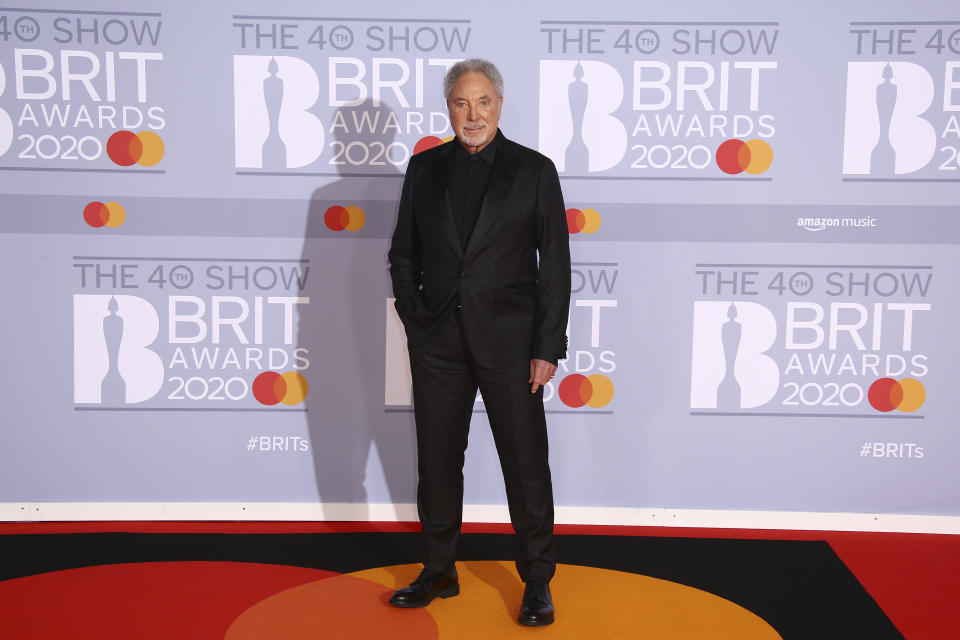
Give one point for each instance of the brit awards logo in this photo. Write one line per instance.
(274, 127)
(218, 334)
(584, 381)
(325, 96)
(688, 101)
(901, 102)
(811, 340)
(112, 360)
(731, 369)
(82, 91)
(885, 132)
(584, 137)
(6, 124)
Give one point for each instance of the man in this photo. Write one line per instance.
(480, 263)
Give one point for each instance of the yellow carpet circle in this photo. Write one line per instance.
(338, 607)
(590, 603)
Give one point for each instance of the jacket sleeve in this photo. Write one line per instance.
(553, 280)
(404, 254)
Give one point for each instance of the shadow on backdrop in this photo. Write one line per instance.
(343, 326)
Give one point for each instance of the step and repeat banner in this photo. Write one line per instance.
(197, 201)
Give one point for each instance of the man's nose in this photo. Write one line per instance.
(472, 112)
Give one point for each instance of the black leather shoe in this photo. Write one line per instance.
(425, 588)
(537, 607)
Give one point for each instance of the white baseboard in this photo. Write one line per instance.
(619, 516)
(14, 511)
(811, 521)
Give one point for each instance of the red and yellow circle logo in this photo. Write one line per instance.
(271, 387)
(735, 156)
(429, 142)
(887, 394)
(583, 220)
(126, 148)
(594, 391)
(99, 214)
(338, 218)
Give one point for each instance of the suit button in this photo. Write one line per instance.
(463, 274)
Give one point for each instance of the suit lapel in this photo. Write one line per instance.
(441, 196)
(501, 182)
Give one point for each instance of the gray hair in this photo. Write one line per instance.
(479, 65)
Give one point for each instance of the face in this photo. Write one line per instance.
(474, 110)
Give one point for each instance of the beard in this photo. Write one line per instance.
(476, 138)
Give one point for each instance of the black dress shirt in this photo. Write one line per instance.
(469, 177)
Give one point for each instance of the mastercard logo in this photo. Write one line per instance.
(429, 142)
(583, 220)
(887, 394)
(271, 387)
(338, 218)
(99, 214)
(594, 391)
(126, 148)
(735, 156)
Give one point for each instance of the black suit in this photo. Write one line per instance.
(512, 309)
(475, 317)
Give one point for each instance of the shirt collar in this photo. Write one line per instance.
(487, 154)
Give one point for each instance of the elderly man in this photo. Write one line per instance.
(480, 263)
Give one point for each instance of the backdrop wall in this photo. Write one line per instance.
(197, 203)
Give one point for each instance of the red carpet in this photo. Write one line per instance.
(910, 576)
(147, 601)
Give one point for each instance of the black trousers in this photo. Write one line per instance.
(445, 382)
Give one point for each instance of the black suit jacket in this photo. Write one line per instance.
(514, 307)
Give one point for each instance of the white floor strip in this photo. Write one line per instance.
(304, 511)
